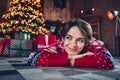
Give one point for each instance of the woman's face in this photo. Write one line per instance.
(74, 41)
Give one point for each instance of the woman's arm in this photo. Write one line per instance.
(51, 59)
(79, 55)
(72, 58)
(51, 49)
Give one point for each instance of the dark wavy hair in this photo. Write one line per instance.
(83, 26)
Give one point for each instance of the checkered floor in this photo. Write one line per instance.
(17, 69)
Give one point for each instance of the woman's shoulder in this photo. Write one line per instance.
(96, 45)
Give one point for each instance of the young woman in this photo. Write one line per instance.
(78, 49)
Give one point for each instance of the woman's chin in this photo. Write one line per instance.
(72, 53)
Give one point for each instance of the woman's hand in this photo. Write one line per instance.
(89, 53)
(73, 57)
(80, 55)
(51, 49)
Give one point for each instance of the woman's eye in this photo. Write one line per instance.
(81, 40)
(68, 37)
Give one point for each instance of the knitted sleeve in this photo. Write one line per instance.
(52, 59)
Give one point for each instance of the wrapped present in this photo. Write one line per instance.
(46, 40)
(4, 46)
(1, 45)
(20, 48)
(1, 39)
(22, 36)
(34, 44)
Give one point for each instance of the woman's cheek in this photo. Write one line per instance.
(80, 47)
(65, 46)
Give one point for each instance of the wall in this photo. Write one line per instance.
(3, 7)
(107, 27)
(75, 6)
(54, 13)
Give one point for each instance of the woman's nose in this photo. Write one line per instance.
(73, 43)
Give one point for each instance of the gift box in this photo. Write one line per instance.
(22, 36)
(46, 40)
(4, 47)
(1, 39)
(20, 48)
(1, 44)
(34, 44)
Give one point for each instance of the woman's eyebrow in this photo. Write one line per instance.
(71, 36)
(68, 35)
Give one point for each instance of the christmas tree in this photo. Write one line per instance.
(24, 16)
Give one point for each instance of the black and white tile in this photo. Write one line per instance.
(17, 69)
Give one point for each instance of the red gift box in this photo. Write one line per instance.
(4, 43)
(1, 44)
(46, 40)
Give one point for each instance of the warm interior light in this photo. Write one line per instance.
(112, 14)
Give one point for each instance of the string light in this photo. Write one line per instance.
(93, 10)
(81, 11)
(24, 15)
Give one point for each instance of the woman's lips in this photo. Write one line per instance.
(72, 50)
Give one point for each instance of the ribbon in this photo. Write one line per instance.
(40, 47)
(27, 36)
(46, 39)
